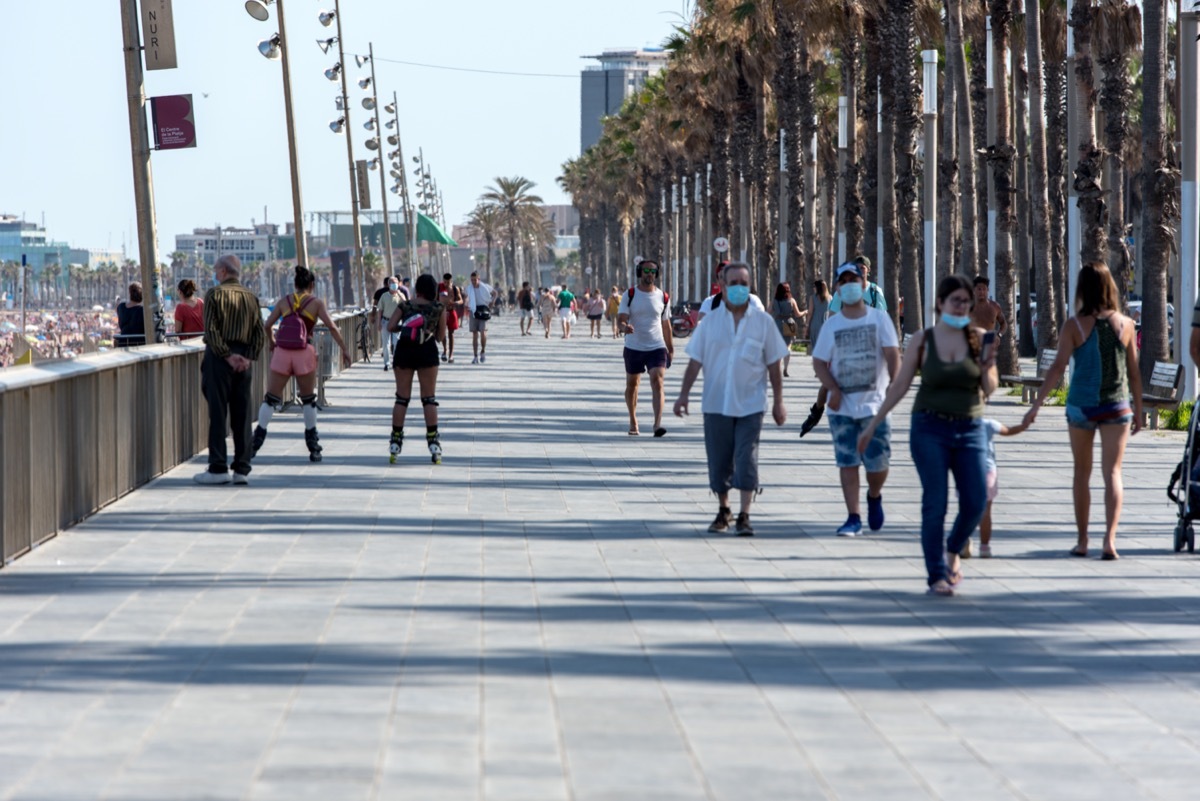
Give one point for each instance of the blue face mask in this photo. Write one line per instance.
(851, 293)
(738, 295)
(392, 287)
(955, 321)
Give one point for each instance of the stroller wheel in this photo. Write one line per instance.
(1180, 536)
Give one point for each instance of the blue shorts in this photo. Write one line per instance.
(846, 430)
(1090, 418)
(643, 361)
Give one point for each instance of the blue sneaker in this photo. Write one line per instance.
(875, 512)
(851, 528)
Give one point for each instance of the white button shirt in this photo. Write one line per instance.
(735, 362)
(477, 296)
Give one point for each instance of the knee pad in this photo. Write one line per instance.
(401, 401)
(308, 400)
(430, 400)
(274, 401)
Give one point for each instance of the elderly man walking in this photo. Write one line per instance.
(233, 338)
(738, 346)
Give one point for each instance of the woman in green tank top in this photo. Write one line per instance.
(1105, 395)
(948, 434)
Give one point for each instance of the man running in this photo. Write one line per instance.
(986, 314)
(645, 319)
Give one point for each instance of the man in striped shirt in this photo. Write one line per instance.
(233, 336)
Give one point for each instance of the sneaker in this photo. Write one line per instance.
(260, 436)
(475, 360)
(875, 512)
(814, 417)
(722, 521)
(965, 553)
(482, 358)
(851, 528)
(241, 479)
(985, 551)
(212, 478)
(743, 527)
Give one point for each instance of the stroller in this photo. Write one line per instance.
(1184, 491)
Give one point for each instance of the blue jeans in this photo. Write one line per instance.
(940, 446)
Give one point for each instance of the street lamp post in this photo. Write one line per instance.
(991, 142)
(387, 222)
(839, 211)
(930, 58)
(276, 48)
(1189, 83)
(354, 211)
(401, 175)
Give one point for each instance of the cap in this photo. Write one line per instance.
(850, 267)
(863, 260)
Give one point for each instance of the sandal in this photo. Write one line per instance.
(955, 578)
(660, 432)
(633, 432)
(1078, 550)
(941, 588)
(1110, 556)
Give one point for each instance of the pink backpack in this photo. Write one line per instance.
(293, 332)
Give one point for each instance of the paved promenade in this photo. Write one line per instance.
(543, 616)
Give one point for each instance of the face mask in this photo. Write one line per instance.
(738, 295)
(851, 293)
(392, 287)
(956, 322)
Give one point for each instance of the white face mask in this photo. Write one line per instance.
(851, 293)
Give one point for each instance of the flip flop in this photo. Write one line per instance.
(660, 432)
(1078, 551)
(633, 432)
(955, 578)
(1110, 556)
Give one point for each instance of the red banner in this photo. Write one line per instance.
(174, 123)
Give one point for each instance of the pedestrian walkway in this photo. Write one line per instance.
(543, 616)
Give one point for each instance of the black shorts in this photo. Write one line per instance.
(643, 361)
(595, 316)
(410, 356)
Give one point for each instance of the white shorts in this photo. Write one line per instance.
(566, 314)
(526, 314)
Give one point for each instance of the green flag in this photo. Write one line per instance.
(429, 231)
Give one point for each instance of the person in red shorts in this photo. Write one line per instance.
(451, 297)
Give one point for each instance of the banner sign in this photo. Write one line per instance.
(364, 185)
(158, 35)
(174, 122)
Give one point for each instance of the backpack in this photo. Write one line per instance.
(293, 332)
(666, 298)
(418, 324)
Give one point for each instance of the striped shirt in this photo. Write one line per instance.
(231, 316)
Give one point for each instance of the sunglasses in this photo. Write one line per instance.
(648, 271)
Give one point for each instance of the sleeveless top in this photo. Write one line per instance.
(1099, 375)
(949, 388)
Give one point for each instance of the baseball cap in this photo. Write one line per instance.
(863, 260)
(849, 267)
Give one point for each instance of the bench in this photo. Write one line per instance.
(1164, 390)
(1032, 385)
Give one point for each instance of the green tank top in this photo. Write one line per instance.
(950, 388)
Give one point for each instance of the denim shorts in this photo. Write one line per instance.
(846, 430)
(1090, 418)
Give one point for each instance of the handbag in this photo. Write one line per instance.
(482, 313)
(790, 329)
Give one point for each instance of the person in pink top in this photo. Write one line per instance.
(189, 311)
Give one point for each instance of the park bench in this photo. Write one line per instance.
(1164, 390)
(1032, 385)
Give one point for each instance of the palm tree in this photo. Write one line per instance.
(485, 221)
(1118, 35)
(1047, 334)
(1054, 47)
(1001, 157)
(512, 197)
(1087, 170)
(1159, 193)
(956, 63)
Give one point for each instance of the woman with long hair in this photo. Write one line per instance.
(948, 434)
(787, 319)
(131, 322)
(189, 310)
(420, 324)
(293, 356)
(1105, 395)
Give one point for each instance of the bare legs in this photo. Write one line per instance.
(747, 497)
(1113, 439)
(852, 489)
(657, 381)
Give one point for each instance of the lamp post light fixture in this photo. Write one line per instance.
(335, 17)
(275, 48)
(371, 104)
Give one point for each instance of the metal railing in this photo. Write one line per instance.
(77, 435)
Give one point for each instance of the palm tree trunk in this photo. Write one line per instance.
(806, 102)
(1087, 171)
(901, 38)
(887, 173)
(870, 113)
(1159, 192)
(1027, 345)
(1116, 95)
(969, 261)
(980, 144)
(1000, 157)
(852, 201)
(947, 193)
(1047, 331)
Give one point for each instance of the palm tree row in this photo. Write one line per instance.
(509, 214)
(752, 84)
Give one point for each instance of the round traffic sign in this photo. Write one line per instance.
(721, 244)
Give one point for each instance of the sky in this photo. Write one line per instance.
(64, 130)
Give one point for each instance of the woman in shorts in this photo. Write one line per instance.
(451, 298)
(299, 363)
(614, 305)
(421, 324)
(595, 313)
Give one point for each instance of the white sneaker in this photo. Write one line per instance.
(985, 551)
(211, 478)
(241, 478)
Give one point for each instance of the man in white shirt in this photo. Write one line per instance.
(738, 346)
(645, 320)
(856, 357)
(479, 311)
(715, 300)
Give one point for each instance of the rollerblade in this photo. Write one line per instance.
(260, 436)
(435, 446)
(396, 444)
(310, 439)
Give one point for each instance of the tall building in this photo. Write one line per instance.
(604, 87)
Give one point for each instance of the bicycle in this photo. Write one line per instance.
(364, 340)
